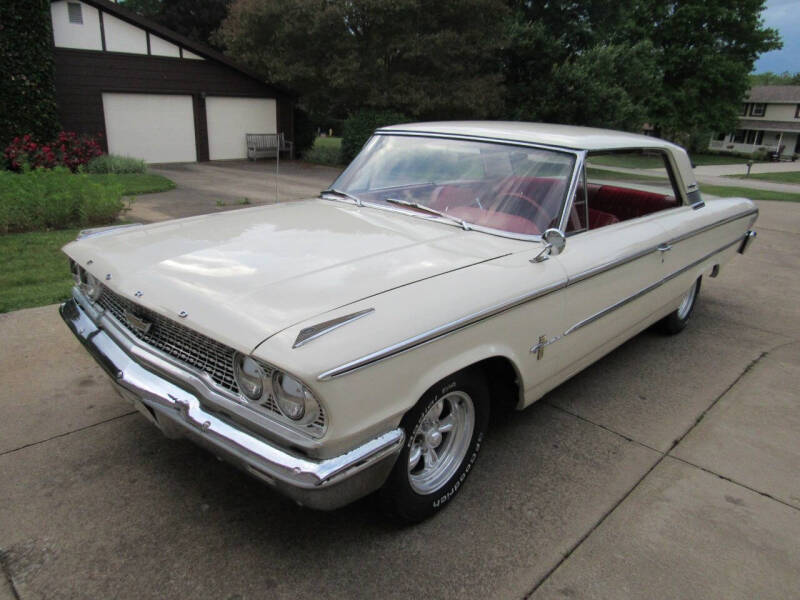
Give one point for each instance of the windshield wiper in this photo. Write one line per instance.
(464, 225)
(336, 192)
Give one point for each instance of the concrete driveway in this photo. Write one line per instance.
(669, 469)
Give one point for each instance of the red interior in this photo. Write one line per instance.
(495, 220)
(626, 203)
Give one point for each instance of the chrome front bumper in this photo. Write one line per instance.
(323, 484)
(748, 239)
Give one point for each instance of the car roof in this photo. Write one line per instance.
(548, 134)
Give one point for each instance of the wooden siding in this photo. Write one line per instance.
(81, 77)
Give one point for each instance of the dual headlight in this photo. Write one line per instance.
(88, 283)
(256, 382)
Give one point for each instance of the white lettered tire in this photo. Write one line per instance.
(444, 433)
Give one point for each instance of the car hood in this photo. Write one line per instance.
(244, 275)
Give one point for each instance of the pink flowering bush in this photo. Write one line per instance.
(68, 150)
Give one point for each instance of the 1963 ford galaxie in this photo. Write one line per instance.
(358, 341)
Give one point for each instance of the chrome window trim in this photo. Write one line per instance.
(577, 154)
(454, 326)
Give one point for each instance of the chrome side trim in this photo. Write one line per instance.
(453, 326)
(748, 239)
(631, 257)
(436, 333)
(309, 334)
(646, 290)
(98, 231)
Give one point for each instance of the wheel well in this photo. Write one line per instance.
(503, 381)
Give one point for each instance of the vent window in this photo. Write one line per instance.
(75, 12)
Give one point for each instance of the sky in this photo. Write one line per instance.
(783, 15)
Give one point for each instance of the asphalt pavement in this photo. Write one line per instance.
(669, 469)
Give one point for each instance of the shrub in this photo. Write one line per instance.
(55, 199)
(111, 163)
(360, 126)
(27, 92)
(304, 132)
(67, 150)
(325, 152)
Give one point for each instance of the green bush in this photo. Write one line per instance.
(326, 151)
(111, 163)
(360, 126)
(55, 199)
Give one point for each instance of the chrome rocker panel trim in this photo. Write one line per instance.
(324, 484)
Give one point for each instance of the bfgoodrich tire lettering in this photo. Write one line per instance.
(444, 433)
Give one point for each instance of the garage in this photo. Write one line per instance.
(229, 119)
(156, 127)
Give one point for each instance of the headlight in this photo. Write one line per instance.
(294, 399)
(249, 376)
(76, 271)
(90, 285)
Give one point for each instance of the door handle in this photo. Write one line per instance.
(664, 248)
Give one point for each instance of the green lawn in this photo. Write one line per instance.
(135, 183)
(787, 177)
(700, 160)
(594, 173)
(33, 270)
(726, 192)
(325, 151)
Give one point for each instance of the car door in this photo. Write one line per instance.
(614, 256)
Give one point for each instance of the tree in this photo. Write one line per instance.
(27, 91)
(195, 19)
(424, 58)
(770, 78)
(705, 50)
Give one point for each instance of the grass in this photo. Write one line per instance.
(787, 177)
(33, 270)
(594, 173)
(325, 151)
(628, 161)
(727, 192)
(135, 183)
(700, 160)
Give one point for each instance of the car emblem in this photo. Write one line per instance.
(140, 325)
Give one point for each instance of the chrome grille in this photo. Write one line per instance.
(194, 349)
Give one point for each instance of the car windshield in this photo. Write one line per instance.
(513, 189)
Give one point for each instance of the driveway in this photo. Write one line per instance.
(225, 185)
(669, 469)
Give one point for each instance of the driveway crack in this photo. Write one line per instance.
(7, 574)
(662, 455)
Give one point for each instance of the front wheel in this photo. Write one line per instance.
(444, 430)
(677, 320)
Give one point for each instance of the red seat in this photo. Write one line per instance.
(598, 218)
(627, 203)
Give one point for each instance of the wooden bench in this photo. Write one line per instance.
(263, 145)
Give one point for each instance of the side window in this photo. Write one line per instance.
(577, 220)
(627, 185)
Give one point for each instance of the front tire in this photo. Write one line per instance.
(676, 321)
(444, 433)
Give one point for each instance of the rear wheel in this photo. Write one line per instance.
(677, 320)
(444, 432)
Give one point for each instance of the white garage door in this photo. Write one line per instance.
(155, 127)
(229, 119)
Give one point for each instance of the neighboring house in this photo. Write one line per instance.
(769, 121)
(153, 93)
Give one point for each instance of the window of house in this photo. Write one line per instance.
(75, 13)
(758, 109)
(720, 137)
(739, 135)
(745, 107)
(797, 112)
(622, 186)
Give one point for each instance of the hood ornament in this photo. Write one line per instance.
(311, 333)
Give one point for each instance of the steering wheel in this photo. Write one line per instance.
(518, 196)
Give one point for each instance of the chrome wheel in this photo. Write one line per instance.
(440, 441)
(688, 300)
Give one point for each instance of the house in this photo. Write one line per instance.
(154, 94)
(769, 122)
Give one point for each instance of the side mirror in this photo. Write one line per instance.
(554, 243)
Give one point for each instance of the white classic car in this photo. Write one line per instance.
(357, 342)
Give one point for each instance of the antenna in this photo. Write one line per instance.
(277, 164)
